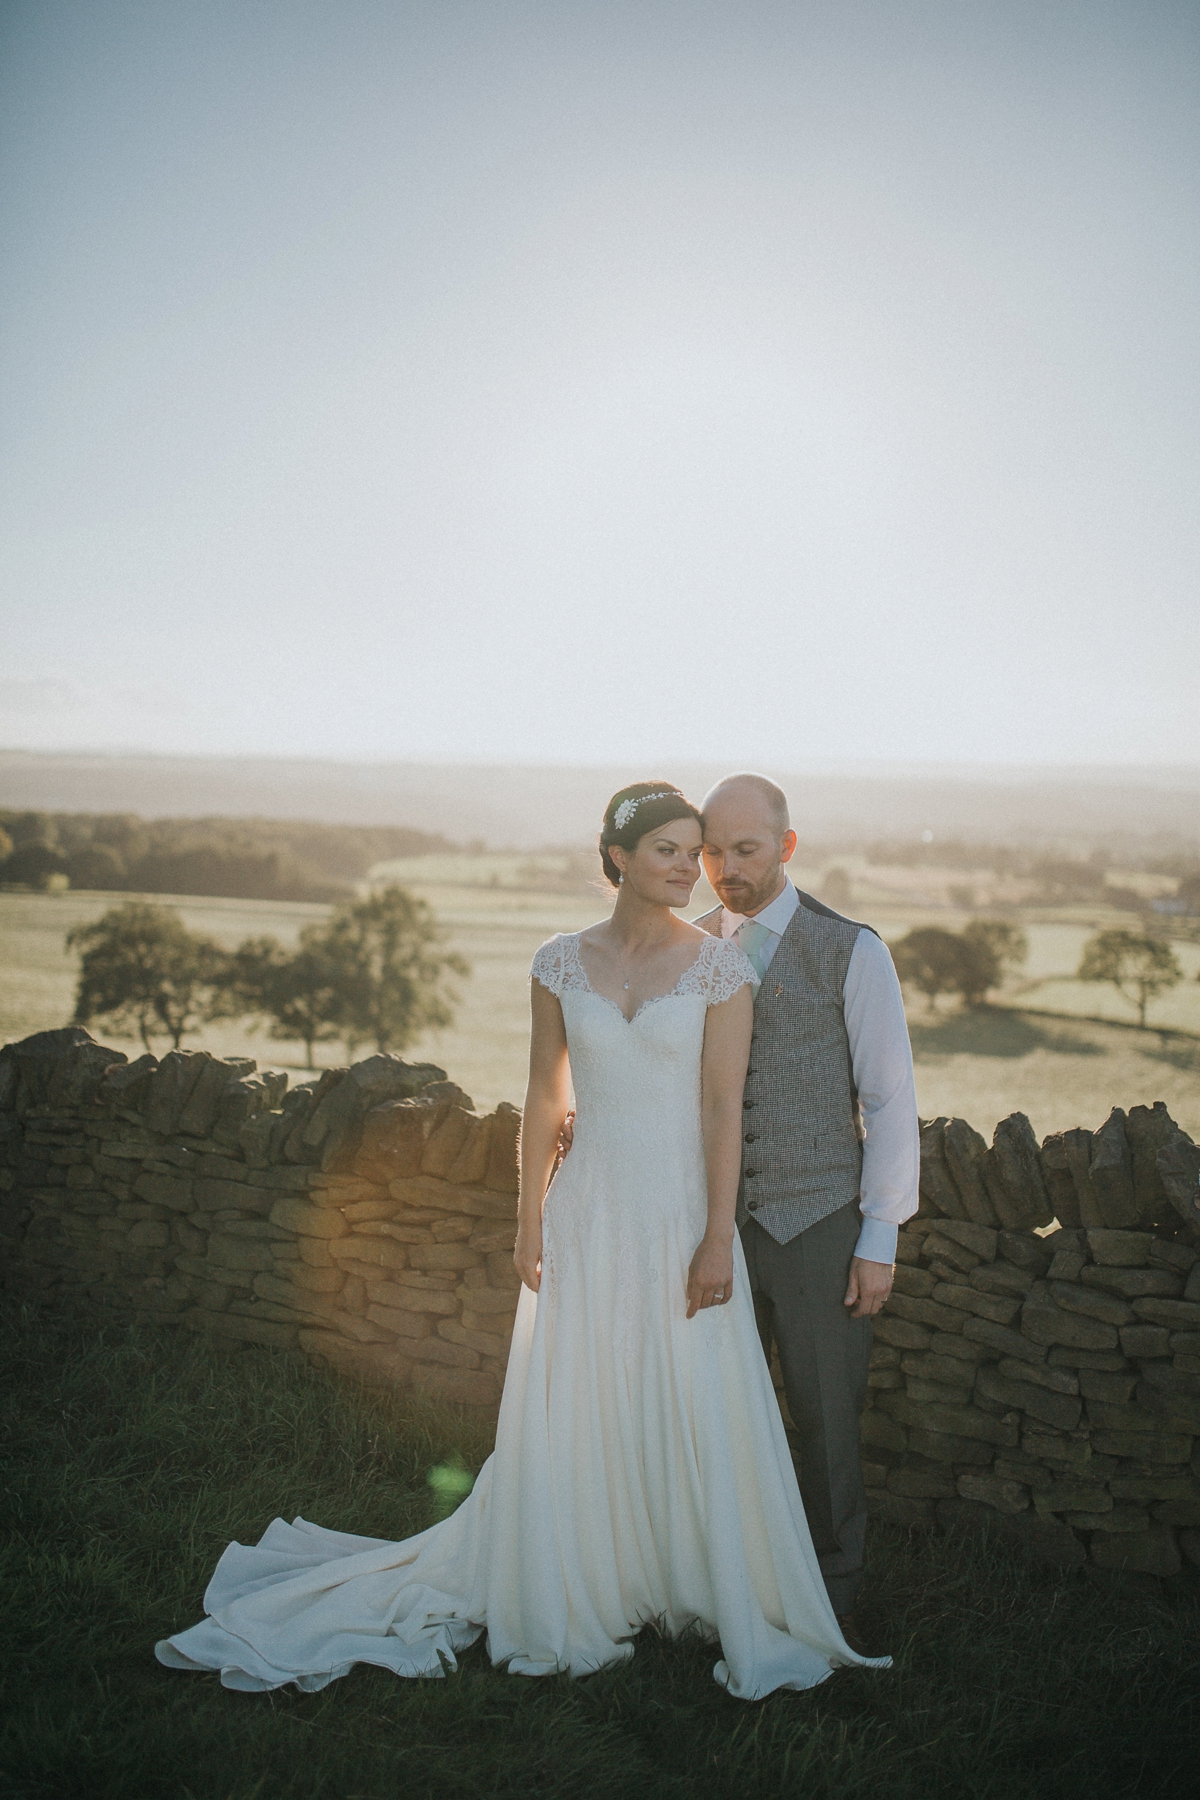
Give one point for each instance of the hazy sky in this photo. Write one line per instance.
(592, 382)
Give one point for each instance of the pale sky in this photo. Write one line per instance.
(587, 382)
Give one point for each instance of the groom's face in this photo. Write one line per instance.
(744, 852)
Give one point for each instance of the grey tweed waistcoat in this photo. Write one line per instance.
(801, 1151)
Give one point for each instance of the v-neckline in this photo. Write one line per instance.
(630, 1019)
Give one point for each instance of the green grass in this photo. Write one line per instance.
(135, 1455)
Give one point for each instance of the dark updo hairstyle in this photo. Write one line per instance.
(651, 815)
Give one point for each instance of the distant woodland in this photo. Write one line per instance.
(239, 859)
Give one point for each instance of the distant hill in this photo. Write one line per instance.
(1153, 809)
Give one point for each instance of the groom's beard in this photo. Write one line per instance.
(745, 897)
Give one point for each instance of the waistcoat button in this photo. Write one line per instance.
(750, 1172)
(752, 1205)
(746, 1105)
(750, 1137)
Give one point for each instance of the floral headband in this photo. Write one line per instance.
(627, 808)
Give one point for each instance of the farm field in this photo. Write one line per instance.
(982, 1065)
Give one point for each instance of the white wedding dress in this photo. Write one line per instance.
(641, 1474)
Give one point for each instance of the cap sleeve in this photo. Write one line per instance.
(729, 968)
(549, 965)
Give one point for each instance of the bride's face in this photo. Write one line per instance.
(664, 866)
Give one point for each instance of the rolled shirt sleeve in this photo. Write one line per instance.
(881, 1058)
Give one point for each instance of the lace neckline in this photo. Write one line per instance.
(574, 961)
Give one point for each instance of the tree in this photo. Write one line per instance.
(391, 969)
(33, 865)
(301, 992)
(936, 961)
(96, 866)
(835, 889)
(996, 946)
(143, 971)
(1138, 967)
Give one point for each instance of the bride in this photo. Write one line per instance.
(641, 1474)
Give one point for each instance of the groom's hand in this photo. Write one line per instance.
(869, 1285)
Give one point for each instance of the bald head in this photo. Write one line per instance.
(747, 840)
(750, 794)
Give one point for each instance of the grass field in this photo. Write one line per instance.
(135, 1456)
(982, 1065)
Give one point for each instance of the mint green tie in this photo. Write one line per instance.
(753, 939)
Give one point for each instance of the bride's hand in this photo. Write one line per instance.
(528, 1256)
(710, 1278)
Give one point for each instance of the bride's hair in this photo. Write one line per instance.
(636, 810)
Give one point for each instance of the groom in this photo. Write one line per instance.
(820, 1199)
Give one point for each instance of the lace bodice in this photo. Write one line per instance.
(720, 969)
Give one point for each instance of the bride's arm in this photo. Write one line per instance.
(547, 1098)
(727, 1030)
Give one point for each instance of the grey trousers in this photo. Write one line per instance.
(824, 1355)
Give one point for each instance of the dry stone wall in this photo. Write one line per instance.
(1037, 1368)
(366, 1219)
(1038, 1364)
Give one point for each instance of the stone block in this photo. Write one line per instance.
(170, 1088)
(1133, 1482)
(1143, 1446)
(1060, 1410)
(1111, 1171)
(1065, 1453)
(423, 1191)
(150, 1234)
(938, 1194)
(1012, 1465)
(1013, 1172)
(448, 1138)
(943, 1248)
(1153, 1552)
(924, 1312)
(902, 1333)
(488, 1299)
(1170, 1255)
(957, 1421)
(878, 1432)
(1179, 1512)
(1002, 1278)
(875, 1474)
(1189, 1544)
(945, 1369)
(410, 1299)
(1003, 1340)
(945, 1343)
(471, 1163)
(315, 1253)
(1178, 1315)
(1073, 1297)
(885, 1356)
(165, 1190)
(936, 1393)
(1095, 1384)
(444, 1256)
(401, 1323)
(900, 1509)
(964, 1152)
(1142, 1340)
(486, 1342)
(1174, 1412)
(307, 1220)
(370, 1253)
(1120, 1249)
(239, 1252)
(999, 1309)
(1121, 1518)
(497, 1324)
(1056, 1381)
(1044, 1322)
(229, 1196)
(1073, 1496)
(994, 1490)
(1134, 1284)
(884, 1378)
(917, 1282)
(502, 1149)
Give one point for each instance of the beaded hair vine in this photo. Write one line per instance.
(627, 808)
